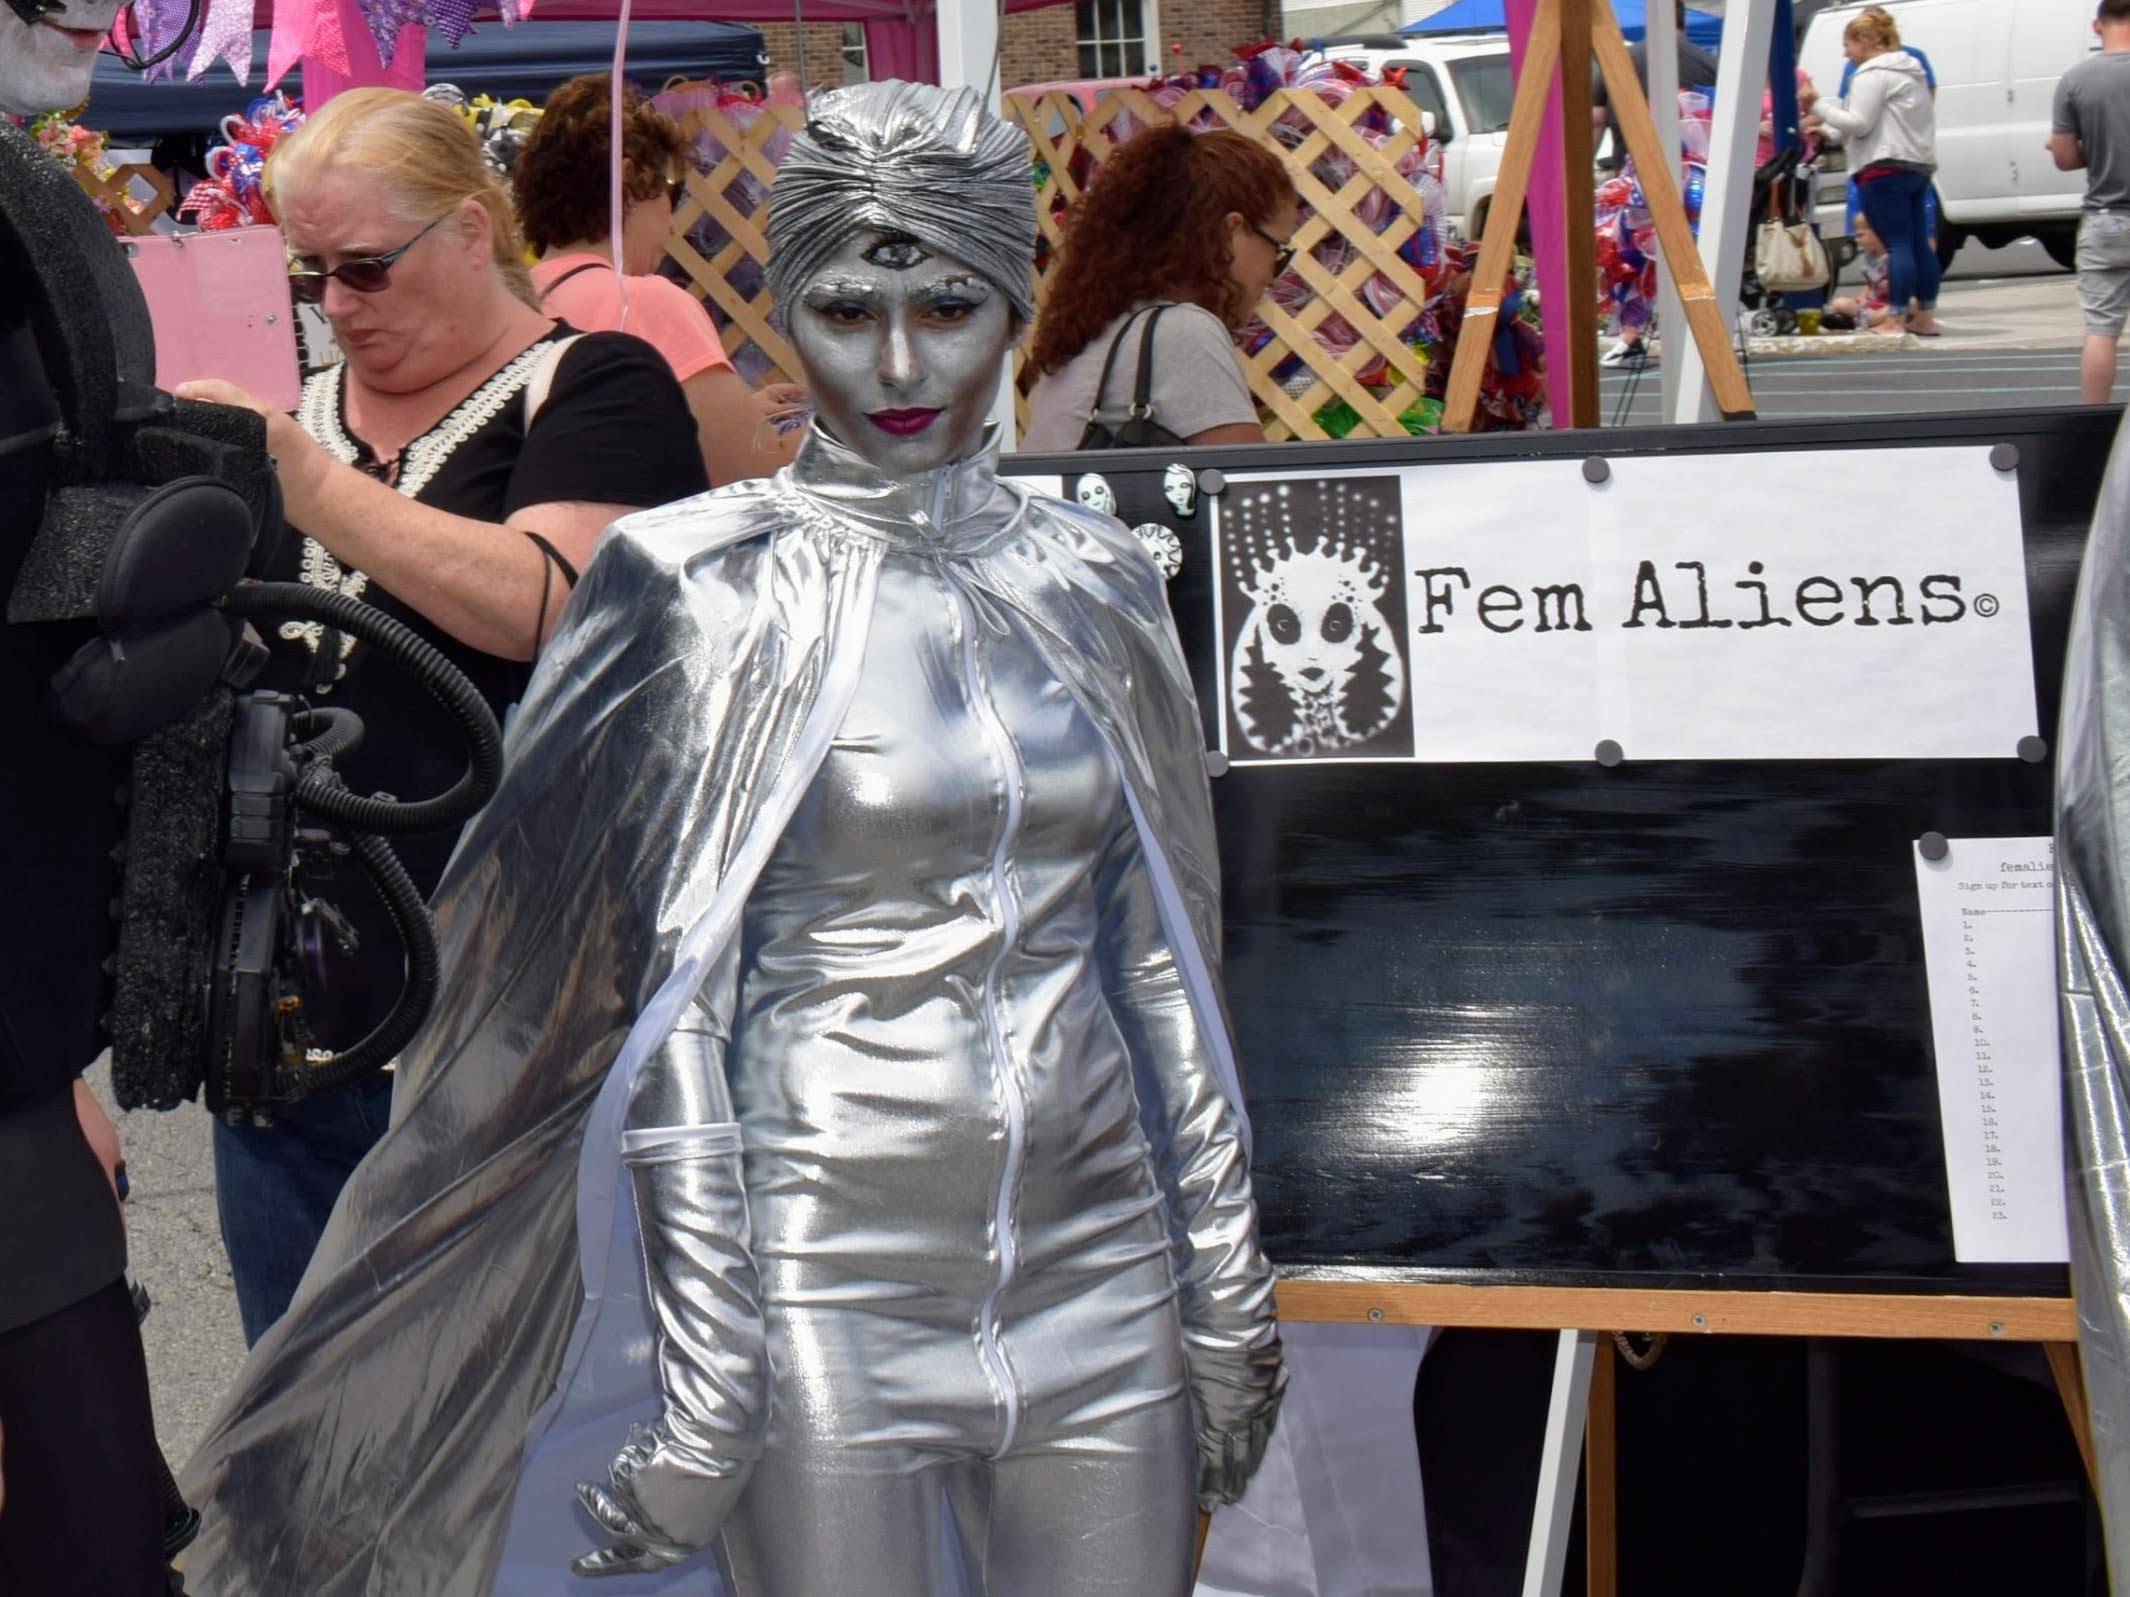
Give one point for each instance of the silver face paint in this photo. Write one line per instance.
(902, 363)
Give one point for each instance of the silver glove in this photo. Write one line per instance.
(1224, 1282)
(660, 1505)
(672, 1485)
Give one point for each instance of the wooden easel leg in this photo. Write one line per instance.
(1656, 167)
(1198, 1555)
(1577, 161)
(1601, 1493)
(2071, 1387)
(1497, 251)
(1547, 1561)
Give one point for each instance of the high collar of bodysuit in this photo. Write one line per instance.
(954, 509)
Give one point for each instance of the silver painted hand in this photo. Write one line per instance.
(658, 1505)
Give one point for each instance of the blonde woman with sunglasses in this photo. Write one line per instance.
(454, 471)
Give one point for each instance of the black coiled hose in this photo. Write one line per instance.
(403, 902)
(318, 789)
(327, 734)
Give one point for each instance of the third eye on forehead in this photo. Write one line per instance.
(897, 251)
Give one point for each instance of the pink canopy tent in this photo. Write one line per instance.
(338, 43)
(901, 39)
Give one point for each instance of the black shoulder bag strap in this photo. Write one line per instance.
(1143, 387)
(1139, 429)
(1094, 435)
(574, 271)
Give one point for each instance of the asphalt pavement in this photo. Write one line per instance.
(2011, 335)
(174, 1249)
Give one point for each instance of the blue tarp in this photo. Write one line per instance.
(528, 60)
(1482, 16)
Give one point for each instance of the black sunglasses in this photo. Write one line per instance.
(367, 274)
(1282, 254)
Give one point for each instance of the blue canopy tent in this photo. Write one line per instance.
(508, 63)
(1488, 16)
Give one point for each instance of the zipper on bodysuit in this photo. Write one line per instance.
(1009, 1097)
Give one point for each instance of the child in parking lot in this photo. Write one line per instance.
(1867, 308)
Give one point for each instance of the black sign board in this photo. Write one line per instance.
(1646, 1025)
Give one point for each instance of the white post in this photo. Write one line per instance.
(1663, 45)
(968, 53)
(1741, 76)
(968, 46)
(1574, 1356)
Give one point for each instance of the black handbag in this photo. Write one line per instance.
(1138, 430)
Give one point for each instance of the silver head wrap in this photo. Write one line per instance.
(907, 158)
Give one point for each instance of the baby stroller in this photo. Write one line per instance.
(1784, 188)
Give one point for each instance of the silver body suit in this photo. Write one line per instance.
(961, 1244)
(837, 972)
(2093, 962)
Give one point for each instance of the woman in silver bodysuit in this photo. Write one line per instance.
(846, 929)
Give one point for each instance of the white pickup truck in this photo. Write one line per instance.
(1996, 63)
(1463, 81)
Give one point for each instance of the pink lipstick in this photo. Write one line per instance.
(83, 39)
(903, 423)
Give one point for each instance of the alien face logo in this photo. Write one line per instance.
(1317, 631)
(1316, 667)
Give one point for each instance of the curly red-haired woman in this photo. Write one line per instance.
(1198, 222)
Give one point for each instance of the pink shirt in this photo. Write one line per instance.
(1764, 152)
(661, 313)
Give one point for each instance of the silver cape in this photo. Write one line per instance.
(2093, 939)
(474, 1334)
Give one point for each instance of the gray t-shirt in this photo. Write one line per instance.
(1197, 383)
(2093, 105)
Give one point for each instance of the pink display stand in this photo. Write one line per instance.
(220, 307)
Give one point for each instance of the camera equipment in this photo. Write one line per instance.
(153, 510)
(285, 800)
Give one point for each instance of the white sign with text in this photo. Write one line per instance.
(1989, 946)
(1852, 604)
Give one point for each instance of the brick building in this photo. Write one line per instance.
(1087, 39)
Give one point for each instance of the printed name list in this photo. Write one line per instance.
(1989, 946)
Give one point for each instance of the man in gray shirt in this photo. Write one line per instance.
(2091, 129)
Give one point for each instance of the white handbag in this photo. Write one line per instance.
(1788, 257)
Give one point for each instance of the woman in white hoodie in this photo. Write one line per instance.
(1889, 125)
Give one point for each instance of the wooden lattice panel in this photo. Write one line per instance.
(1070, 143)
(136, 216)
(730, 278)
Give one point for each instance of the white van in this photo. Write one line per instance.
(1464, 82)
(1997, 63)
